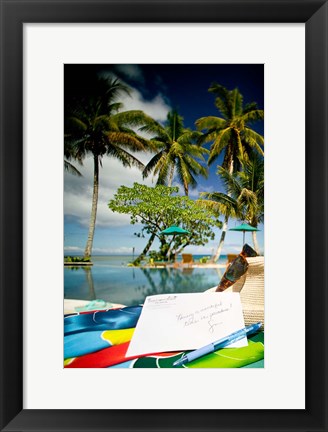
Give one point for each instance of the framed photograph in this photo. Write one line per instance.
(289, 42)
(153, 237)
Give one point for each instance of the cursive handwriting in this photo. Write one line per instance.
(210, 314)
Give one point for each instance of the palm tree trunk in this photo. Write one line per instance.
(88, 248)
(256, 245)
(171, 176)
(225, 223)
(223, 234)
(145, 251)
(231, 166)
(186, 189)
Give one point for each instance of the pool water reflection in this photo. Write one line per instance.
(111, 280)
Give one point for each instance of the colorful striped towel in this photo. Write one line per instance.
(101, 340)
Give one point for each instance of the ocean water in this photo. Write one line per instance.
(111, 280)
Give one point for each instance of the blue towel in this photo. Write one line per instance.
(115, 319)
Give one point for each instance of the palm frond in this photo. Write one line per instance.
(250, 107)
(254, 140)
(124, 140)
(189, 136)
(71, 168)
(231, 181)
(132, 118)
(195, 167)
(75, 125)
(155, 128)
(174, 125)
(238, 103)
(222, 98)
(210, 123)
(151, 165)
(163, 168)
(126, 158)
(219, 203)
(185, 174)
(253, 116)
(197, 151)
(221, 141)
(111, 88)
(115, 107)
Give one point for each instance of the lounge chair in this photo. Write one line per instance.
(187, 259)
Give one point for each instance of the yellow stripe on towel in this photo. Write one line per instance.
(116, 337)
(68, 361)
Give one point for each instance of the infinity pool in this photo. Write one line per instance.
(111, 280)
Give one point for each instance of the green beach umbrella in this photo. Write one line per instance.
(174, 230)
(244, 228)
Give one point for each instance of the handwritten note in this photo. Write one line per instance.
(177, 322)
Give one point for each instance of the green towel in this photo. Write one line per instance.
(253, 354)
(234, 357)
(231, 357)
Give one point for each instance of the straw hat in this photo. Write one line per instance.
(251, 289)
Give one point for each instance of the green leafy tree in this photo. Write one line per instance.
(231, 133)
(94, 126)
(177, 152)
(157, 208)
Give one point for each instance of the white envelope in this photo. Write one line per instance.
(178, 322)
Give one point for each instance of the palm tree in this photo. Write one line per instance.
(94, 126)
(220, 204)
(245, 197)
(251, 196)
(177, 151)
(231, 134)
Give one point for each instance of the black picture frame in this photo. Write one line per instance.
(314, 13)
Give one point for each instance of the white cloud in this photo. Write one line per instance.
(131, 71)
(157, 107)
(112, 251)
(78, 191)
(194, 193)
(73, 249)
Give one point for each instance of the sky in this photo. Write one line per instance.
(155, 89)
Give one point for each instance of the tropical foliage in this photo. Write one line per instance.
(220, 204)
(177, 152)
(244, 199)
(231, 134)
(75, 259)
(158, 208)
(95, 127)
(71, 168)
